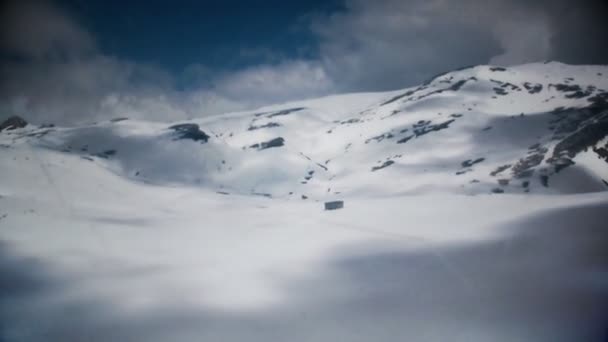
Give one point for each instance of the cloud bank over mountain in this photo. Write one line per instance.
(53, 69)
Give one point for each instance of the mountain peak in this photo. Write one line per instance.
(485, 129)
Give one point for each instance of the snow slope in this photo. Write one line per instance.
(474, 210)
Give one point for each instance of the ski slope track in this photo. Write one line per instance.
(475, 209)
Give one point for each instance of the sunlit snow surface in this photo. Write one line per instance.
(119, 231)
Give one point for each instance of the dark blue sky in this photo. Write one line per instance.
(224, 34)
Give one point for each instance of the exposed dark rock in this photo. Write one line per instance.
(383, 165)
(304, 197)
(497, 191)
(285, 112)
(333, 205)
(500, 91)
(533, 88)
(279, 113)
(454, 87)
(602, 152)
(12, 122)
(499, 169)
(309, 175)
(305, 156)
(578, 95)
(582, 139)
(537, 149)
(263, 194)
(322, 166)
(525, 167)
(510, 85)
(568, 121)
(189, 131)
(350, 121)
(469, 162)
(565, 87)
(503, 86)
(424, 127)
(268, 125)
(276, 142)
(118, 119)
(404, 140)
(497, 69)
(576, 92)
(408, 93)
(503, 182)
(380, 137)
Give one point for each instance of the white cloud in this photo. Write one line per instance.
(61, 77)
(370, 45)
(285, 81)
(387, 44)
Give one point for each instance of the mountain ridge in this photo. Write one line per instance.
(480, 129)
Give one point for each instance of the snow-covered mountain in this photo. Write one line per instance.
(536, 127)
(213, 229)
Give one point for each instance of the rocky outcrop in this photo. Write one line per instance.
(276, 142)
(268, 125)
(383, 165)
(13, 122)
(189, 131)
(582, 139)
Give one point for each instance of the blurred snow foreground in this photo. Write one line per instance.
(474, 209)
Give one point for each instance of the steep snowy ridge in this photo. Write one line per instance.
(477, 130)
